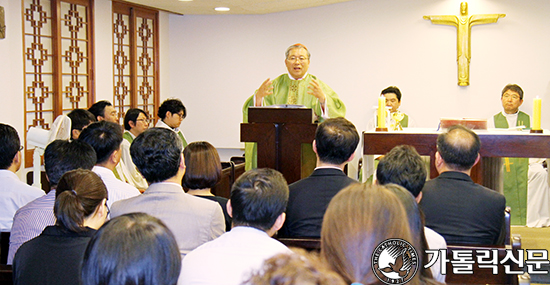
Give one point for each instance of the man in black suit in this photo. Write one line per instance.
(334, 145)
(460, 210)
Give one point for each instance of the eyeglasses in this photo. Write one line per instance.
(108, 210)
(508, 96)
(147, 121)
(181, 115)
(21, 148)
(294, 58)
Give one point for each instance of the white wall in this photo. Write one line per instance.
(359, 48)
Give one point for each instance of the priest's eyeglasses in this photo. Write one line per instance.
(294, 58)
(507, 96)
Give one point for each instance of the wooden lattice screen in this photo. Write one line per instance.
(135, 58)
(58, 59)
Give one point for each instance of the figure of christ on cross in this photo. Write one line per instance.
(464, 24)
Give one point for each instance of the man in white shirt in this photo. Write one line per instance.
(14, 194)
(257, 203)
(106, 137)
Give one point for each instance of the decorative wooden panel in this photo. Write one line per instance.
(135, 58)
(58, 61)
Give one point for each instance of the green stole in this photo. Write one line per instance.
(182, 139)
(515, 174)
(405, 122)
(127, 136)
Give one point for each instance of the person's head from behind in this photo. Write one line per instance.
(157, 154)
(80, 119)
(136, 121)
(105, 137)
(258, 199)
(511, 98)
(10, 147)
(458, 148)
(61, 156)
(357, 220)
(172, 112)
(403, 166)
(415, 222)
(298, 267)
(80, 200)
(335, 141)
(134, 248)
(393, 97)
(104, 111)
(203, 166)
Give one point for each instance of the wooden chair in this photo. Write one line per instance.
(485, 275)
(4, 247)
(6, 274)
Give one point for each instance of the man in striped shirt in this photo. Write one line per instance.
(30, 220)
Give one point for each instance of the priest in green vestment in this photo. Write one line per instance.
(515, 168)
(295, 88)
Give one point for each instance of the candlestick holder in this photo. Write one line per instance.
(536, 131)
(381, 129)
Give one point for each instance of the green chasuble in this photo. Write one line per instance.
(283, 86)
(515, 174)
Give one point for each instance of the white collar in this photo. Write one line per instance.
(292, 78)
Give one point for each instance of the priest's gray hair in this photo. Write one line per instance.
(297, 46)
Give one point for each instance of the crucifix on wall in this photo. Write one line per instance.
(463, 24)
(2, 23)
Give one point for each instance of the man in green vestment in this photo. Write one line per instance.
(171, 113)
(136, 121)
(515, 168)
(295, 88)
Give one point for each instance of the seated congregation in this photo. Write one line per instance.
(137, 207)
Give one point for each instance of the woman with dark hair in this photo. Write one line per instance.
(54, 257)
(203, 172)
(357, 220)
(135, 248)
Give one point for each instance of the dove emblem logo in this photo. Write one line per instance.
(395, 261)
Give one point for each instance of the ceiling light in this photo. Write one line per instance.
(222, 9)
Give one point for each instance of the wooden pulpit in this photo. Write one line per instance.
(279, 133)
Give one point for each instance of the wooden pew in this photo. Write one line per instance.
(309, 244)
(230, 172)
(485, 275)
(223, 187)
